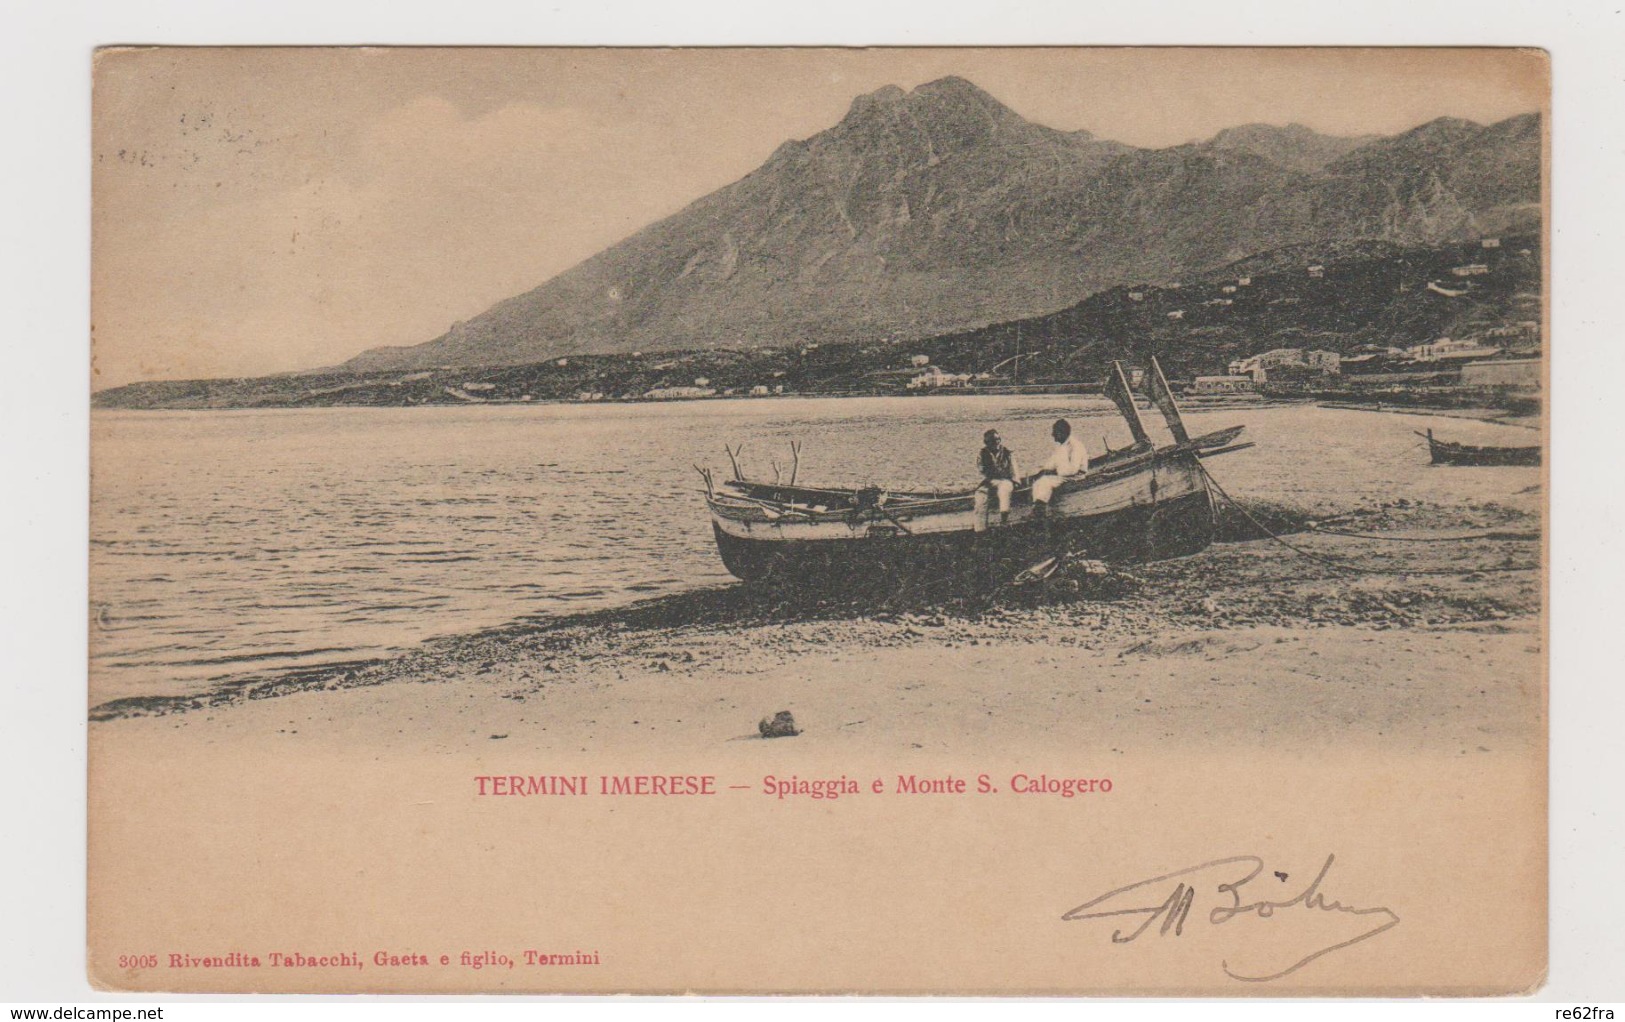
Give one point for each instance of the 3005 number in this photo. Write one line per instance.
(138, 961)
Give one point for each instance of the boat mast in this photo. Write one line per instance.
(1163, 397)
(1118, 390)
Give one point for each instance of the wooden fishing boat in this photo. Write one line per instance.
(1141, 502)
(1444, 452)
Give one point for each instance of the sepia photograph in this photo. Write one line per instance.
(977, 521)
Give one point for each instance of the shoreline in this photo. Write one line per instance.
(1264, 611)
(1194, 402)
(1494, 416)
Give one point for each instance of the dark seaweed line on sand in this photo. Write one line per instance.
(728, 607)
(298, 679)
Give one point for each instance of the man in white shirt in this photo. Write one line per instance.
(1070, 460)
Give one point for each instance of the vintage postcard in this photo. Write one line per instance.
(963, 521)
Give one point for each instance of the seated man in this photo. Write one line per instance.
(999, 473)
(1069, 461)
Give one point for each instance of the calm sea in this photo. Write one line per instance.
(233, 542)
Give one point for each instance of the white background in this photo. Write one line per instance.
(44, 272)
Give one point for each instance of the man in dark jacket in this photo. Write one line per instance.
(999, 474)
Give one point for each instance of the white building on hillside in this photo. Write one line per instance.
(1223, 385)
(1445, 348)
(934, 377)
(1258, 366)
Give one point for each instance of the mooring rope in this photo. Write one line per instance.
(1343, 565)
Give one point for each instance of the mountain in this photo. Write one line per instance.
(939, 209)
(1294, 147)
(1445, 179)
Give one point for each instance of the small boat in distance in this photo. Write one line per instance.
(1444, 452)
(1142, 502)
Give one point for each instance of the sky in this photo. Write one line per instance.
(262, 210)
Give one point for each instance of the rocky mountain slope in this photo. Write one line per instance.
(941, 209)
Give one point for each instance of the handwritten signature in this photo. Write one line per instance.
(1236, 872)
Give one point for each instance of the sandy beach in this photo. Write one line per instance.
(1242, 701)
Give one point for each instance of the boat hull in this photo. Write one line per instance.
(1136, 503)
(1137, 532)
(1444, 453)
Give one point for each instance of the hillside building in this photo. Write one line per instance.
(1445, 349)
(1293, 360)
(1223, 385)
(1515, 332)
(934, 378)
(1258, 366)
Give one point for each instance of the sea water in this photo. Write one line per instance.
(225, 542)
